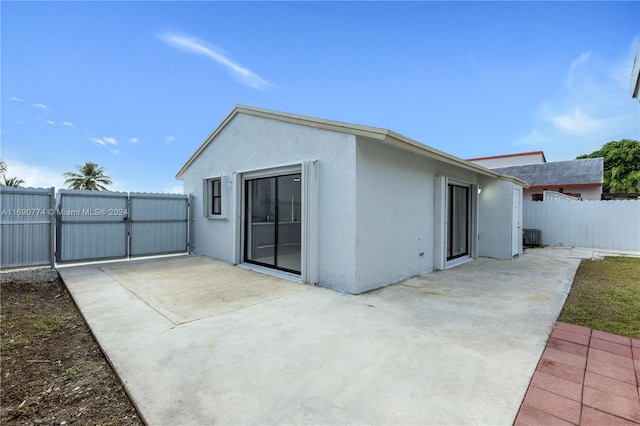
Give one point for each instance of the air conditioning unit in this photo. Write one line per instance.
(531, 237)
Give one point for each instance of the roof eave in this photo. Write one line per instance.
(319, 123)
(384, 135)
(423, 149)
(206, 142)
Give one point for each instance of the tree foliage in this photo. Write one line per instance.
(621, 166)
(11, 181)
(8, 181)
(91, 177)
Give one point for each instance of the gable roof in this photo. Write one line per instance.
(587, 171)
(383, 135)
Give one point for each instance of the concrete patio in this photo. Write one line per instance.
(197, 341)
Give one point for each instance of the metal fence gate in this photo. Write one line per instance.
(158, 224)
(90, 225)
(98, 225)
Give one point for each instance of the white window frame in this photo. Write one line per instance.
(309, 219)
(441, 223)
(207, 204)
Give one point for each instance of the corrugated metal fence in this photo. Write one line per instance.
(27, 224)
(90, 225)
(613, 225)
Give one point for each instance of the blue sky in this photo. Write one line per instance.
(137, 86)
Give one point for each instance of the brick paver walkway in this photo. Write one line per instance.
(584, 377)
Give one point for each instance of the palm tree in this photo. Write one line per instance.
(91, 177)
(12, 182)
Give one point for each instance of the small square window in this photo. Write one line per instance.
(214, 195)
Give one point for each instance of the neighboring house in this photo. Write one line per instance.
(518, 159)
(578, 178)
(344, 206)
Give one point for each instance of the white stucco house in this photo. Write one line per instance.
(344, 206)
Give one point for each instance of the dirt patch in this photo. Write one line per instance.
(51, 368)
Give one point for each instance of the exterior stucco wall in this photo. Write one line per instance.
(495, 218)
(395, 215)
(249, 143)
(396, 212)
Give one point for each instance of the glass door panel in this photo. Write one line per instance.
(458, 215)
(289, 225)
(260, 244)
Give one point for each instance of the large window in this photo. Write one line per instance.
(273, 222)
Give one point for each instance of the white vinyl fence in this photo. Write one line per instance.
(613, 225)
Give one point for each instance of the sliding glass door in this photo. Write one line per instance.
(458, 212)
(273, 222)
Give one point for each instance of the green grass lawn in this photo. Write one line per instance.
(606, 296)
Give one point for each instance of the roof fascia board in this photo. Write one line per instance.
(206, 142)
(318, 123)
(384, 135)
(422, 149)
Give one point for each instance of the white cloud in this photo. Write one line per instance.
(114, 151)
(96, 140)
(171, 138)
(176, 189)
(42, 106)
(34, 176)
(201, 47)
(68, 124)
(15, 99)
(575, 64)
(133, 140)
(577, 122)
(53, 123)
(594, 107)
(104, 141)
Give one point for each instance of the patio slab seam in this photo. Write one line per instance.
(320, 357)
